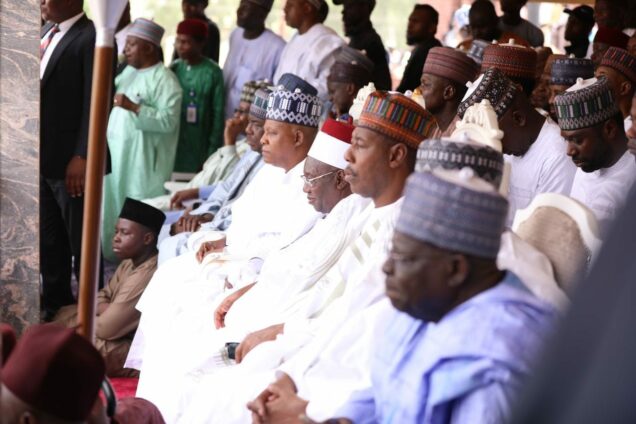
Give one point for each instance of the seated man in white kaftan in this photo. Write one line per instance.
(219, 201)
(532, 144)
(461, 336)
(311, 52)
(272, 213)
(380, 159)
(592, 125)
(446, 154)
(187, 338)
(263, 190)
(218, 166)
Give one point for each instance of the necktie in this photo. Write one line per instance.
(45, 43)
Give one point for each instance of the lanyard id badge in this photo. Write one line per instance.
(191, 110)
(191, 113)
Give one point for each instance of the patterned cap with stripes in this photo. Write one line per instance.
(258, 108)
(452, 154)
(294, 107)
(450, 64)
(146, 30)
(453, 212)
(494, 86)
(514, 60)
(250, 87)
(586, 104)
(398, 117)
(566, 70)
(621, 61)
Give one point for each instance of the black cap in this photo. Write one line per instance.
(142, 213)
(582, 13)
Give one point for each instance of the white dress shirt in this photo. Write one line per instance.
(64, 27)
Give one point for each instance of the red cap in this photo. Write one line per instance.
(195, 28)
(331, 143)
(56, 371)
(338, 129)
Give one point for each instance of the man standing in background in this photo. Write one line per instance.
(66, 74)
(254, 51)
(511, 21)
(195, 9)
(311, 52)
(143, 128)
(356, 17)
(421, 34)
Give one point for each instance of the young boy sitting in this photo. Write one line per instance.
(135, 244)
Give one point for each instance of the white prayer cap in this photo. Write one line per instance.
(331, 143)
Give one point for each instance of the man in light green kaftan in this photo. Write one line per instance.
(143, 128)
(202, 116)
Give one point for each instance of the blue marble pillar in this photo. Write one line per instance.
(19, 149)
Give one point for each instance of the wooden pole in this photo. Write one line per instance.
(95, 169)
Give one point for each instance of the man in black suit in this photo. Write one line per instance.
(66, 69)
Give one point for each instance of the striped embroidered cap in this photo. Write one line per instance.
(494, 86)
(621, 61)
(456, 154)
(586, 104)
(396, 116)
(351, 66)
(146, 30)
(291, 82)
(258, 108)
(450, 64)
(476, 51)
(250, 87)
(565, 71)
(514, 60)
(348, 54)
(453, 210)
(294, 107)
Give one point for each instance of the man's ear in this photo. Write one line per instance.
(149, 238)
(459, 270)
(397, 154)
(299, 137)
(449, 92)
(625, 88)
(351, 89)
(609, 129)
(341, 183)
(519, 118)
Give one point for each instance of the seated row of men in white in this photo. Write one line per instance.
(386, 267)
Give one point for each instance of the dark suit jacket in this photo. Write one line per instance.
(65, 98)
(413, 70)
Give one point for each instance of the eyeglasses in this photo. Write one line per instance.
(241, 111)
(312, 181)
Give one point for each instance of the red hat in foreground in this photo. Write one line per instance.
(56, 371)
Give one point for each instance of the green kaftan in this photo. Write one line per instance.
(142, 147)
(201, 131)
